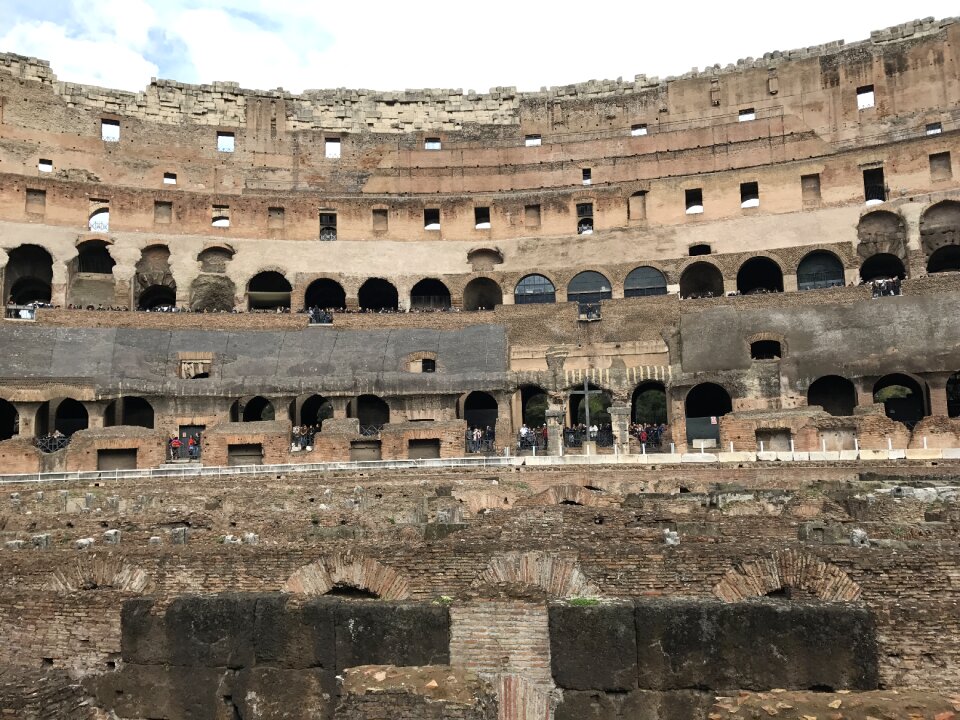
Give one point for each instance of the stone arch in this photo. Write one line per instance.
(430, 294)
(881, 232)
(482, 293)
(759, 274)
(214, 258)
(701, 279)
(787, 569)
(820, 269)
(484, 258)
(535, 289)
(940, 226)
(153, 283)
(325, 293)
(28, 276)
(378, 294)
(268, 290)
(563, 495)
(644, 280)
(834, 393)
(352, 571)
(213, 292)
(559, 577)
(100, 572)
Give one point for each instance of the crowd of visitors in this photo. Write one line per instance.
(602, 435)
(884, 287)
(649, 434)
(302, 436)
(480, 439)
(188, 449)
(529, 438)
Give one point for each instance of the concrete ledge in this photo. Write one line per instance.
(850, 454)
(766, 456)
(950, 453)
(737, 457)
(698, 458)
(924, 454)
(824, 456)
(874, 454)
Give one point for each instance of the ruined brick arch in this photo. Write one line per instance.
(352, 571)
(559, 577)
(100, 572)
(787, 569)
(881, 232)
(564, 495)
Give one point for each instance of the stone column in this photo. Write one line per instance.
(620, 421)
(937, 386)
(339, 407)
(554, 430)
(95, 410)
(27, 418)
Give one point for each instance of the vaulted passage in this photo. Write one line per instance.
(903, 398)
(9, 420)
(534, 402)
(325, 294)
(429, 294)
(835, 394)
(759, 275)
(28, 276)
(702, 279)
(480, 410)
(268, 291)
(600, 402)
(132, 411)
(819, 269)
(372, 412)
(882, 267)
(705, 404)
(93, 257)
(70, 417)
(649, 403)
(255, 409)
(378, 294)
(314, 410)
(482, 294)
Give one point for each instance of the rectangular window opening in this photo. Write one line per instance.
(587, 176)
(874, 188)
(481, 218)
(431, 219)
(934, 128)
(331, 148)
(865, 97)
(637, 130)
(225, 142)
(693, 199)
(531, 216)
(637, 206)
(747, 114)
(940, 167)
(275, 217)
(380, 220)
(162, 212)
(749, 195)
(584, 218)
(45, 166)
(169, 178)
(110, 130)
(36, 200)
(221, 216)
(810, 189)
(428, 366)
(431, 144)
(532, 141)
(328, 225)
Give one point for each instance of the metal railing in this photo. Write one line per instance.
(98, 226)
(371, 430)
(20, 312)
(51, 443)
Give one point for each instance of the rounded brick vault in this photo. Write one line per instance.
(787, 569)
(346, 570)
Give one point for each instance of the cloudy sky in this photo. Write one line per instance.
(394, 45)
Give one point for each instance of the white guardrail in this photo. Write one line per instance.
(185, 471)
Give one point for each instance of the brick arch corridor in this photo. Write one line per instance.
(344, 569)
(787, 569)
(559, 577)
(98, 572)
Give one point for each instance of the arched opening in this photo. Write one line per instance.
(482, 294)
(835, 394)
(429, 294)
(480, 410)
(214, 259)
(93, 257)
(904, 399)
(325, 294)
(766, 350)
(99, 221)
(648, 405)
(482, 259)
(946, 259)
(378, 294)
(600, 402)
(9, 420)
(258, 409)
(882, 266)
(953, 395)
(534, 290)
(268, 291)
(699, 249)
(130, 411)
(701, 279)
(819, 269)
(644, 281)
(534, 403)
(70, 417)
(28, 275)
(704, 405)
(314, 410)
(213, 293)
(588, 288)
(157, 296)
(881, 231)
(371, 411)
(351, 592)
(759, 275)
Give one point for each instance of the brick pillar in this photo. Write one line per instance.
(620, 420)
(95, 410)
(339, 407)
(554, 430)
(937, 386)
(27, 416)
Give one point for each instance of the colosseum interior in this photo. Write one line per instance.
(633, 399)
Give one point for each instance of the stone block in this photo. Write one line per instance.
(634, 705)
(698, 458)
(737, 457)
(874, 454)
(923, 454)
(594, 647)
(295, 637)
(755, 645)
(380, 633)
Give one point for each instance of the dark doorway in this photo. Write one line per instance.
(268, 291)
(701, 279)
(759, 275)
(946, 259)
(649, 403)
(835, 394)
(326, 294)
(315, 409)
(953, 395)
(131, 411)
(157, 296)
(371, 411)
(480, 410)
(258, 409)
(482, 294)
(93, 257)
(28, 275)
(903, 398)
(881, 267)
(429, 294)
(534, 403)
(9, 420)
(70, 417)
(704, 406)
(378, 294)
(819, 269)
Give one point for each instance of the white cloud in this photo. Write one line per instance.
(385, 45)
